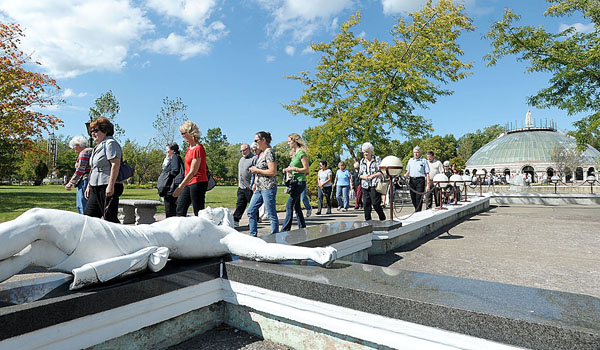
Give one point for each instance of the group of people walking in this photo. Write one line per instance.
(97, 169)
(184, 182)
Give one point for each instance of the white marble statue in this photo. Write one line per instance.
(95, 250)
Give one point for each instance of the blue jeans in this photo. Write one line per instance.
(293, 204)
(342, 192)
(258, 198)
(305, 200)
(325, 192)
(80, 197)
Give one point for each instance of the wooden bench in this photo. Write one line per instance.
(137, 211)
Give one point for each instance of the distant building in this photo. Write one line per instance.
(528, 150)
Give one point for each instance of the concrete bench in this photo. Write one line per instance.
(137, 211)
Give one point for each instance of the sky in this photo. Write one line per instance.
(227, 60)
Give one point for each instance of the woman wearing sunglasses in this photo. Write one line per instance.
(103, 190)
(192, 189)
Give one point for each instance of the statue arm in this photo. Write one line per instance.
(153, 258)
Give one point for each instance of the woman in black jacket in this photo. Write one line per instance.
(171, 177)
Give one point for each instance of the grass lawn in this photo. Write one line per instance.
(14, 200)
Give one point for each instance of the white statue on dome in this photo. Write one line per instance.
(528, 120)
(96, 251)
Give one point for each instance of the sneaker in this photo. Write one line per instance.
(318, 213)
(236, 224)
(308, 213)
(339, 208)
(344, 209)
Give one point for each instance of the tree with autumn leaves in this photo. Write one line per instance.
(23, 94)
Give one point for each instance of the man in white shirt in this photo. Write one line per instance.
(417, 170)
(435, 167)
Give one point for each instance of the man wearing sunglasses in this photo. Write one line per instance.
(244, 191)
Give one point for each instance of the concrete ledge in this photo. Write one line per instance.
(350, 238)
(545, 198)
(63, 306)
(508, 314)
(422, 223)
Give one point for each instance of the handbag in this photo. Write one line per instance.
(164, 183)
(211, 180)
(125, 171)
(382, 187)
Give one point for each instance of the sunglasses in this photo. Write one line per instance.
(95, 130)
(183, 133)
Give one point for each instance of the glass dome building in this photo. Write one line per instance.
(528, 150)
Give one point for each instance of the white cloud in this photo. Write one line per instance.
(308, 49)
(70, 93)
(393, 7)
(362, 34)
(290, 50)
(579, 27)
(270, 59)
(74, 37)
(198, 36)
(191, 12)
(302, 18)
(403, 7)
(176, 44)
(146, 64)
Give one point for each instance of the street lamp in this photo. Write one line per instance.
(556, 180)
(467, 181)
(438, 180)
(392, 166)
(591, 179)
(89, 131)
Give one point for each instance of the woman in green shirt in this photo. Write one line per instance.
(298, 169)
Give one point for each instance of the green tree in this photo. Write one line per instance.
(107, 106)
(169, 119)
(215, 144)
(571, 58)
(444, 147)
(145, 161)
(470, 143)
(363, 90)
(231, 163)
(282, 152)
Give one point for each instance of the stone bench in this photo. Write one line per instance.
(137, 211)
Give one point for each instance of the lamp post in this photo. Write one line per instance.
(556, 180)
(481, 177)
(438, 180)
(466, 180)
(456, 179)
(392, 166)
(89, 131)
(591, 179)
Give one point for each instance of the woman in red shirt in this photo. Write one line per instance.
(192, 189)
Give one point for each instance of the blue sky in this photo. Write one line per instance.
(227, 60)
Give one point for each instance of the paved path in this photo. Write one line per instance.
(551, 247)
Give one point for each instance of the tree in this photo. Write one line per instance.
(107, 106)
(282, 152)
(22, 95)
(169, 119)
(566, 159)
(470, 143)
(145, 161)
(571, 57)
(215, 144)
(363, 90)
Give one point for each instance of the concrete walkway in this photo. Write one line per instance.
(551, 247)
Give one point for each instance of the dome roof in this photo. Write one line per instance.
(526, 146)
